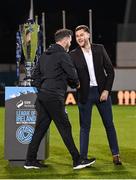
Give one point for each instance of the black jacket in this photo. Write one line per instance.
(103, 68)
(54, 71)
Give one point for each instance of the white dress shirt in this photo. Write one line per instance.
(90, 65)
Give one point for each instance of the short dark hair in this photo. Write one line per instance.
(84, 27)
(61, 33)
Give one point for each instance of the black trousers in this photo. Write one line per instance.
(50, 107)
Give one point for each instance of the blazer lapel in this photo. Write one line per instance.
(81, 57)
(95, 57)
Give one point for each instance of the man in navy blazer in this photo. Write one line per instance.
(96, 76)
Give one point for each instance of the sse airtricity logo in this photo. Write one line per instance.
(24, 134)
(19, 104)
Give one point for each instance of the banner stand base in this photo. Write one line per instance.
(19, 163)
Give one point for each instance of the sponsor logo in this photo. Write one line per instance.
(19, 104)
(24, 134)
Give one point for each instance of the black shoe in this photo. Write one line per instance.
(82, 163)
(34, 165)
(116, 160)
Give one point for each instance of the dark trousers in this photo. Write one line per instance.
(50, 108)
(105, 110)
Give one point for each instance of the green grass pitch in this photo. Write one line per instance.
(59, 161)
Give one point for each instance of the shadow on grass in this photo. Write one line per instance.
(50, 172)
(54, 172)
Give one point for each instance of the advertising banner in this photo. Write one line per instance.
(20, 118)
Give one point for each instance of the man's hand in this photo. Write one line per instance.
(104, 95)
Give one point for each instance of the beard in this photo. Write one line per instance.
(67, 47)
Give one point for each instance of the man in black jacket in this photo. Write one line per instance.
(96, 75)
(51, 76)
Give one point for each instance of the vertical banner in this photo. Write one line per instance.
(20, 118)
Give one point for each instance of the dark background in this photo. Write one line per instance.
(106, 15)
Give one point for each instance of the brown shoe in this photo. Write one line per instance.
(116, 160)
